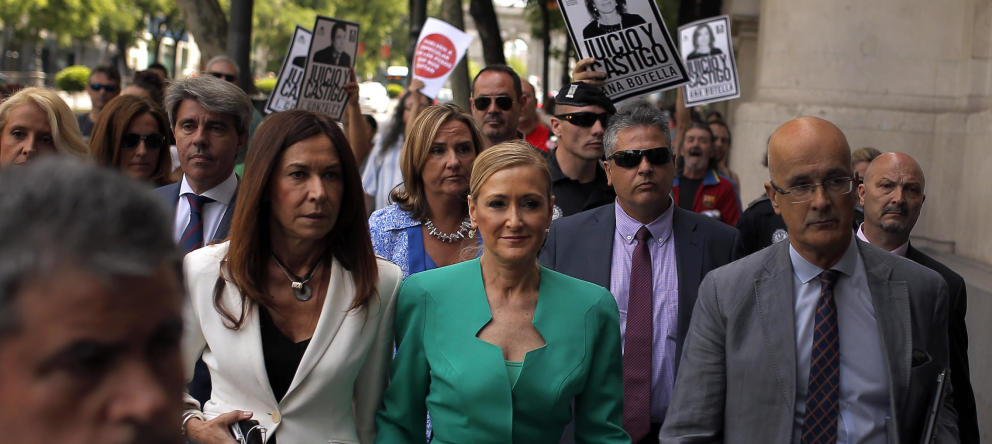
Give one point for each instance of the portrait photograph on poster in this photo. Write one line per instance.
(287, 90)
(332, 52)
(708, 54)
(629, 41)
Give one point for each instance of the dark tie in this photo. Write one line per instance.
(193, 234)
(637, 342)
(820, 424)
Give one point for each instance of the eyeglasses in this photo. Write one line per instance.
(104, 86)
(220, 75)
(502, 102)
(632, 158)
(585, 119)
(153, 141)
(836, 186)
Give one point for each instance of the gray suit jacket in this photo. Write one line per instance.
(170, 196)
(738, 381)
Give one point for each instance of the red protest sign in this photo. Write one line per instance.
(435, 56)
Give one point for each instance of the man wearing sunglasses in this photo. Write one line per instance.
(823, 338)
(650, 253)
(577, 176)
(497, 97)
(104, 84)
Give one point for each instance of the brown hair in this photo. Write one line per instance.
(423, 130)
(510, 154)
(108, 133)
(864, 154)
(349, 241)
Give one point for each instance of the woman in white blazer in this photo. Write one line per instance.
(293, 314)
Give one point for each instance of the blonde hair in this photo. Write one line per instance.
(420, 135)
(510, 154)
(65, 129)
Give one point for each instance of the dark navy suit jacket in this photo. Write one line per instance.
(199, 387)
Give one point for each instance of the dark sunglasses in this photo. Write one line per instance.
(585, 118)
(153, 141)
(502, 102)
(220, 75)
(104, 86)
(632, 158)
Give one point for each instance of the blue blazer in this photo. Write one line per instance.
(170, 196)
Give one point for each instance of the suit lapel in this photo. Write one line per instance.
(340, 293)
(774, 301)
(252, 345)
(892, 312)
(689, 248)
(225, 222)
(598, 237)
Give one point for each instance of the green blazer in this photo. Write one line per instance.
(442, 367)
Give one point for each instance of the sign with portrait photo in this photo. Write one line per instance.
(708, 53)
(629, 41)
(332, 54)
(287, 89)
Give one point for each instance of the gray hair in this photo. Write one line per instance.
(639, 113)
(213, 94)
(223, 58)
(58, 213)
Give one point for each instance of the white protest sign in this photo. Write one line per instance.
(709, 59)
(629, 41)
(287, 89)
(439, 48)
(331, 56)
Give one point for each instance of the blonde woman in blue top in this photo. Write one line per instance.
(499, 348)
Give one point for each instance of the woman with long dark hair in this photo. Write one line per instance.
(293, 313)
(132, 134)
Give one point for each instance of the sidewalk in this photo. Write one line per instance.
(978, 278)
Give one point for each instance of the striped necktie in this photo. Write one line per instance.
(820, 423)
(193, 234)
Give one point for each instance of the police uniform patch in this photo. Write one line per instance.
(779, 235)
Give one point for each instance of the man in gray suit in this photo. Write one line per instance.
(650, 253)
(776, 355)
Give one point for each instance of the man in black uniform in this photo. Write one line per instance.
(577, 176)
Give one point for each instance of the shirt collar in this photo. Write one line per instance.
(806, 271)
(900, 250)
(660, 228)
(222, 193)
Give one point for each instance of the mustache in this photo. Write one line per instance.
(899, 209)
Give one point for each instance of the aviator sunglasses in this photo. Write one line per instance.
(632, 158)
(585, 118)
(153, 141)
(502, 102)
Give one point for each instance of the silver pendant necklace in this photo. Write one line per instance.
(300, 286)
(464, 230)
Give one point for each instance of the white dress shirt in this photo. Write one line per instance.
(900, 250)
(864, 380)
(211, 213)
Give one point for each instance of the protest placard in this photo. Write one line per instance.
(287, 89)
(439, 48)
(708, 54)
(331, 56)
(629, 41)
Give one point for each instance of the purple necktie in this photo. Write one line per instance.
(193, 234)
(637, 342)
(820, 423)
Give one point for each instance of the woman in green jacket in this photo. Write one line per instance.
(498, 349)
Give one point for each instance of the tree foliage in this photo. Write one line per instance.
(73, 78)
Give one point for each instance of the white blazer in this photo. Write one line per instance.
(339, 383)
